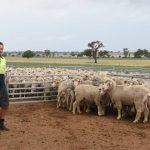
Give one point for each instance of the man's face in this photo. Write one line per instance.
(1, 49)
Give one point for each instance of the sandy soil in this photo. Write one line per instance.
(41, 126)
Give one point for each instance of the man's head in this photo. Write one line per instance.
(1, 48)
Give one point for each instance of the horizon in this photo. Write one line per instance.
(65, 51)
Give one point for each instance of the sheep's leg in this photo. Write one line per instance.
(119, 114)
(119, 108)
(58, 105)
(74, 107)
(88, 108)
(58, 102)
(146, 114)
(138, 112)
(99, 108)
(78, 108)
(103, 110)
(125, 111)
(138, 116)
(76, 104)
(71, 104)
(63, 106)
(68, 100)
(72, 100)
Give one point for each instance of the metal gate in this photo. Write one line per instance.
(25, 92)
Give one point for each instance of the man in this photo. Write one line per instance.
(4, 99)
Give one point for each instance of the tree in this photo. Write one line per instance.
(146, 53)
(138, 53)
(80, 54)
(104, 54)
(47, 52)
(28, 54)
(88, 52)
(126, 52)
(142, 53)
(72, 54)
(95, 46)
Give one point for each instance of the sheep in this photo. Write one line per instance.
(133, 81)
(95, 81)
(128, 95)
(88, 93)
(141, 81)
(65, 91)
(86, 82)
(66, 99)
(119, 81)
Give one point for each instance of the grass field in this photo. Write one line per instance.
(77, 62)
(131, 65)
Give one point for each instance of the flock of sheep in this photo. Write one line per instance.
(87, 89)
(37, 78)
(128, 96)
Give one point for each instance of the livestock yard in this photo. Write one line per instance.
(41, 126)
(51, 125)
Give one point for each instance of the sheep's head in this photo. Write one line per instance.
(140, 82)
(101, 89)
(108, 85)
(127, 81)
(61, 99)
(63, 94)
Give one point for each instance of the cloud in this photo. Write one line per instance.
(71, 24)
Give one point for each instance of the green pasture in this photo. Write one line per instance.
(74, 63)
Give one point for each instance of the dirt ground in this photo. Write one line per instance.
(40, 126)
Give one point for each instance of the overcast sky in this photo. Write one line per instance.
(68, 25)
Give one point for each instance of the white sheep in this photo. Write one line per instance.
(128, 95)
(88, 93)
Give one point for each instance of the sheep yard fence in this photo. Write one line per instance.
(45, 91)
(22, 92)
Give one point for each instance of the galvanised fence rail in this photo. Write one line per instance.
(27, 91)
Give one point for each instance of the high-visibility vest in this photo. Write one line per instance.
(2, 65)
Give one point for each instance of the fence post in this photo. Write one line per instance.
(6, 81)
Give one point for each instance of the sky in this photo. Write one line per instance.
(69, 25)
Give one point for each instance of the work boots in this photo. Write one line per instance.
(2, 126)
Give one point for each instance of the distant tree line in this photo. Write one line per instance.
(93, 51)
(142, 53)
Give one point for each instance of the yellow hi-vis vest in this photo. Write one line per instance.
(2, 65)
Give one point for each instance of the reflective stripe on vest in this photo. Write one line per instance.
(2, 65)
